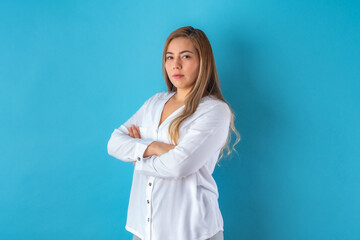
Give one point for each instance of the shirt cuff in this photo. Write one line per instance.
(140, 165)
(140, 148)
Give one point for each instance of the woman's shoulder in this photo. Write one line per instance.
(211, 102)
(210, 107)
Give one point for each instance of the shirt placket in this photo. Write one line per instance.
(149, 190)
(148, 219)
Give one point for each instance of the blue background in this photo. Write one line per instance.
(73, 71)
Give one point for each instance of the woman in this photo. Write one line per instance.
(174, 141)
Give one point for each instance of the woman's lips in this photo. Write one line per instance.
(177, 75)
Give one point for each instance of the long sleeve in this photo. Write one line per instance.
(204, 138)
(124, 147)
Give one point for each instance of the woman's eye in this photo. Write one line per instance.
(170, 57)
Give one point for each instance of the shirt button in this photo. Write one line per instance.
(149, 183)
(148, 219)
(148, 201)
(139, 158)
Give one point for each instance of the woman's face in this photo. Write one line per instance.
(182, 63)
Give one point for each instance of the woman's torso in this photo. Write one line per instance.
(185, 208)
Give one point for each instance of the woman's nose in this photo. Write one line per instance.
(177, 64)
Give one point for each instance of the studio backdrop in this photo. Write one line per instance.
(73, 71)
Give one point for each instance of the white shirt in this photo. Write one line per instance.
(174, 196)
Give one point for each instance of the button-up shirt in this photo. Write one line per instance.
(174, 196)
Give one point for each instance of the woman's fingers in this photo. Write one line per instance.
(137, 132)
(131, 134)
(134, 131)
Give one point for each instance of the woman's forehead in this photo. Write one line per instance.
(180, 44)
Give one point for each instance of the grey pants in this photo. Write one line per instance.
(218, 236)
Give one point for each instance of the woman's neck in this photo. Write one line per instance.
(180, 95)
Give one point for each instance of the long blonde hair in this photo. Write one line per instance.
(207, 83)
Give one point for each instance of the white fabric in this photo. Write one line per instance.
(174, 196)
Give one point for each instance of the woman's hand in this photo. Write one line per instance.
(154, 148)
(134, 132)
(161, 148)
(157, 148)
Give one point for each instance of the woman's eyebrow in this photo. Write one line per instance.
(181, 52)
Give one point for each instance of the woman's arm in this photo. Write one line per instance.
(124, 147)
(154, 148)
(205, 136)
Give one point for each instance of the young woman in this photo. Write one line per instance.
(174, 141)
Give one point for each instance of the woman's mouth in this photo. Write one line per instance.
(177, 76)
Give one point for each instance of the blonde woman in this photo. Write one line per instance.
(174, 141)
